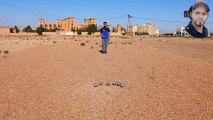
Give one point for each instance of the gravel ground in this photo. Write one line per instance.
(53, 78)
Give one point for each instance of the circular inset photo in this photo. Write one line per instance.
(198, 14)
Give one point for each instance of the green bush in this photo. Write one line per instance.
(40, 30)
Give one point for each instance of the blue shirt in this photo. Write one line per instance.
(105, 32)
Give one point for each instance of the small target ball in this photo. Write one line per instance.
(95, 85)
(122, 85)
(108, 84)
(114, 83)
(118, 84)
(100, 83)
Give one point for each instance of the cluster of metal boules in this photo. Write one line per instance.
(119, 84)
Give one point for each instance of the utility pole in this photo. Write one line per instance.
(128, 24)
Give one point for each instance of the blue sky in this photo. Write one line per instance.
(27, 12)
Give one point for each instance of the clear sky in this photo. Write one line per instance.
(27, 12)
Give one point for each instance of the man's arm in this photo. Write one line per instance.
(108, 34)
(101, 34)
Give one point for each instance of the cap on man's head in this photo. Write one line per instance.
(105, 22)
(198, 4)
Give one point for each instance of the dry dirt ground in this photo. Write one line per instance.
(52, 78)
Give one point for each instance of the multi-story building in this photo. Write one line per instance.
(180, 31)
(119, 28)
(147, 29)
(131, 30)
(67, 24)
(7, 30)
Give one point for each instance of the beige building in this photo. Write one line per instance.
(4, 30)
(118, 29)
(180, 31)
(147, 29)
(131, 30)
(67, 24)
(7, 30)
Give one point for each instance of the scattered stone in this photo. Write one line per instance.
(113, 83)
(122, 85)
(118, 84)
(108, 83)
(83, 44)
(100, 83)
(6, 52)
(95, 85)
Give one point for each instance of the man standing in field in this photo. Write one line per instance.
(105, 35)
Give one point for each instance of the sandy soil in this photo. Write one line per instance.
(53, 78)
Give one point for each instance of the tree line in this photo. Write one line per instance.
(90, 29)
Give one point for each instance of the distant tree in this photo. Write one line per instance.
(53, 30)
(40, 30)
(79, 31)
(73, 29)
(17, 30)
(28, 29)
(113, 29)
(91, 29)
(46, 30)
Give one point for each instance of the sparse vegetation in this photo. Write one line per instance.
(83, 44)
(28, 29)
(54, 42)
(79, 31)
(17, 30)
(91, 29)
(40, 30)
(5, 52)
(124, 43)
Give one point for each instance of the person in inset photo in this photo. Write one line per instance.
(199, 14)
